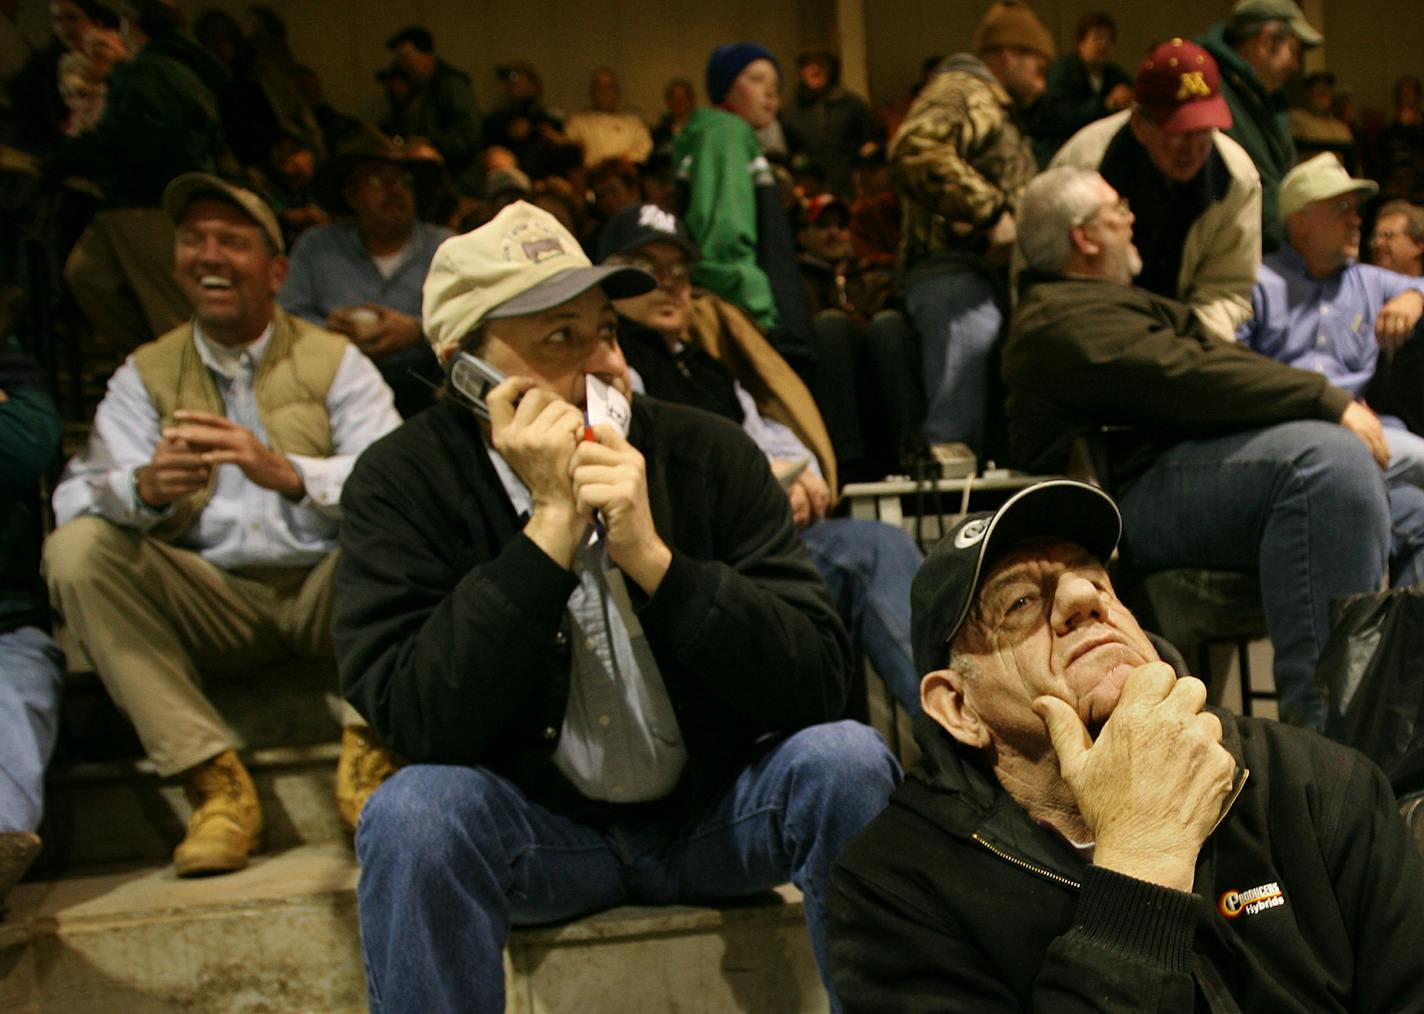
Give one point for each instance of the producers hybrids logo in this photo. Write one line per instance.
(1249, 902)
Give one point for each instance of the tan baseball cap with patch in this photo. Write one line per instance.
(522, 261)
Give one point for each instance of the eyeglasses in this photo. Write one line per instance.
(1120, 206)
(1344, 206)
(676, 272)
(387, 181)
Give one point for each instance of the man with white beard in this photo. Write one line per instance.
(1219, 457)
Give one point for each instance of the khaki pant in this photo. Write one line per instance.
(120, 272)
(151, 616)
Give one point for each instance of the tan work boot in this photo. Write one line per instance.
(364, 765)
(226, 824)
(17, 850)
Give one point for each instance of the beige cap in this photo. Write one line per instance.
(184, 190)
(1010, 23)
(1318, 179)
(521, 261)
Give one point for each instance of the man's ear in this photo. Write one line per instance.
(277, 272)
(943, 697)
(1085, 247)
(1135, 121)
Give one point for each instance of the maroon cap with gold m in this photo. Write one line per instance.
(1179, 86)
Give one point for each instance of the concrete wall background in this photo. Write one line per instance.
(1369, 43)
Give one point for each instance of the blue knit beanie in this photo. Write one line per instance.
(726, 62)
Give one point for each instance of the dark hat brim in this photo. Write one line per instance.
(331, 178)
(945, 586)
(1179, 118)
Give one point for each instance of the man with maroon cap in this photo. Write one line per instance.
(1195, 193)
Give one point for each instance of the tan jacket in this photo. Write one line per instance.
(728, 334)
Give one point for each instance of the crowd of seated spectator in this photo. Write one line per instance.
(869, 260)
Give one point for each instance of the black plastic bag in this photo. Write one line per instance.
(1372, 676)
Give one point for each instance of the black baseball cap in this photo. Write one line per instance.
(942, 592)
(635, 227)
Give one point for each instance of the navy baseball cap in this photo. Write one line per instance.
(634, 228)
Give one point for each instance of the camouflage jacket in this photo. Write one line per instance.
(960, 160)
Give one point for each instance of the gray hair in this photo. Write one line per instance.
(1413, 217)
(1052, 204)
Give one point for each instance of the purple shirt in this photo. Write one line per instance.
(1324, 325)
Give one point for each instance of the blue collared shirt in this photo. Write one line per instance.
(243, 524)
(330, 269)
(1324, 325)
(620, 741)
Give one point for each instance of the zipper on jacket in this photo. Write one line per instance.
(1025, 865)
(1239, 783)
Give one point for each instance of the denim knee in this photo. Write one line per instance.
(845, 764)
(414, 813)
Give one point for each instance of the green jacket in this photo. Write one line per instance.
(729, 199)
(1260, 124)
(720, 165)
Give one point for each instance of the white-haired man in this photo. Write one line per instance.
(1221, 458)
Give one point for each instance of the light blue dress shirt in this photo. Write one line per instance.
(620, 741)
(243, 524)
(330, 269)
(1324, 325)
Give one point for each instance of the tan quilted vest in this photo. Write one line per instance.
(290, 387)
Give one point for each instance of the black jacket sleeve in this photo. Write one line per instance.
(1119, 356)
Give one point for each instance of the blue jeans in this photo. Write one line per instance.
(868, 565)
(1405, 477)
(31, 678)
(452, 857)
(958, 316)
(1303, 504)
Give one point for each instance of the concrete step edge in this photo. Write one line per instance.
(265, 759)
(309, 873)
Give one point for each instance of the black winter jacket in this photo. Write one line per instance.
(451, 626)
(1309, 896)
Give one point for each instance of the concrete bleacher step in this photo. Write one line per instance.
(105, 805)
(120, 812)
(282, 936)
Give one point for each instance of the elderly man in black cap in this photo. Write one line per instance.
(1083, 834)
(361, 275)
(592, 627)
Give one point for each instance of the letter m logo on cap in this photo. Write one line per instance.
(1192, 82)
